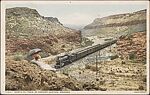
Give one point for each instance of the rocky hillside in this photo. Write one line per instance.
(22, 75)
(113, 76)
(133, 47)
(27, 29)
(55, 20)
(117, 24)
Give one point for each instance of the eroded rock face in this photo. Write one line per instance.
(117, 24)
(22, 75)
(133, 47)
(27, 29)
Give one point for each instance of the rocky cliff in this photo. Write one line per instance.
(53, 19)
(117, 24)
(133, 47)
(27, 29)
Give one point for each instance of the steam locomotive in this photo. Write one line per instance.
(66, 59)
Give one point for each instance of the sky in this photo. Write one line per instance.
(78, 13)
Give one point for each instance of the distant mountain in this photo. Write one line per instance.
(117, 24)
(27, 29)
(77, 27)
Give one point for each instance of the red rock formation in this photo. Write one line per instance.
(133, 46)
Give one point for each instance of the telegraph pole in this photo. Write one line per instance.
(96, 66)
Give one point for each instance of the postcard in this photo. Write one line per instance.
(75, 47)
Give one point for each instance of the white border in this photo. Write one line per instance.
(65, 92)
(76, 2)
(148, 48)
(2, 48)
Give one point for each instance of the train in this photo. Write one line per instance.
(66, 59)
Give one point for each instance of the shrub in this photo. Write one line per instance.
(66, 72)
(144, 79)
(123, 62)
(114, 57)
(18, 57)
(87, 66)
(102, 82)
(93, 68)
(132, 56)
(141, 87)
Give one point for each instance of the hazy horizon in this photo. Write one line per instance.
(79, 14)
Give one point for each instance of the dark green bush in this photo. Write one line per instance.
(132, 56)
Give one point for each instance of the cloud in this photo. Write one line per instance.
(77, 18)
